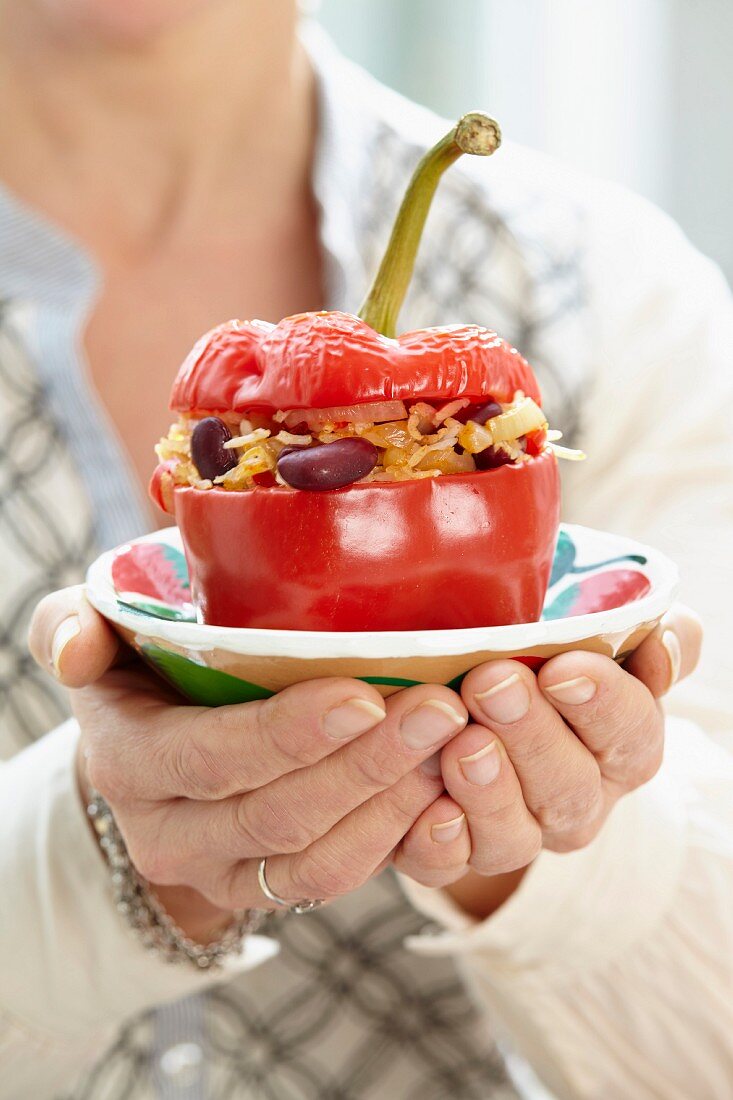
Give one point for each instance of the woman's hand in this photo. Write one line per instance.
(324, 778)
(544, 761)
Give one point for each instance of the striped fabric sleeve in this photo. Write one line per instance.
(72, 970)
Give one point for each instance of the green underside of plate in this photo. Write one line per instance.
(209, 687)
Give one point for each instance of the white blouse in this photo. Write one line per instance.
(610, 971)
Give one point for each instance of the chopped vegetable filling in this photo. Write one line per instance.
(386, 441)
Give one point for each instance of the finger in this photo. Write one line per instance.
(613, 713)
(158, 752)
(480, 778)
(560, 779)
(670, 653)
(437, 849)
(292, 812)
(71, 640)
(345, 858)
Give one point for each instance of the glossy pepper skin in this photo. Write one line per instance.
(457, 550)
(454, 551)
(322, 360)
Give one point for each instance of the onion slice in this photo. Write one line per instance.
(293, 440)
(567, 452)
(523, 418)
(450, 409)
(245, 440)
(375, 413)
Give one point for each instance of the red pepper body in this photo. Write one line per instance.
(458, 550)
(322, 360)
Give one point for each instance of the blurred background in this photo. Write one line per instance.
(639, 91)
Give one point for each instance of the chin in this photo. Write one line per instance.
(126, 21)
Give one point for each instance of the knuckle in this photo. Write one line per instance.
(503, 807)
(500, 815)
(105, 774)
(418, 872)
(573, 810)
(636, 755)
(533, 748)
(160, 848)
(373, 768)
(316, 876)
(531, 850)
(612, 710)
(621, 757)
(654, 763)
(646, 767)
(197, 769)
(522, 851)
(575, 840)
(224, 888)
(435, 863)
(401, 808)
(276, 722)
(271, 826)
(155, 863)
(435, 877)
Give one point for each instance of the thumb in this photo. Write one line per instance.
(72, 640)
(669, 653)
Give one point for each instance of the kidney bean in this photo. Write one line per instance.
(491, 459)
(486, 412)
(327, 465)
(210, 456)
(479, 413)
(293, 447)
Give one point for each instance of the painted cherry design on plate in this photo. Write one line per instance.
(566, 552)
(152, 569)
(601, 592)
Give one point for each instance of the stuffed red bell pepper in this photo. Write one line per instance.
(328, 475)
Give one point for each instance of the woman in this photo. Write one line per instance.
(169, 165)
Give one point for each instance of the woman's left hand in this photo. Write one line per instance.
(544, 761)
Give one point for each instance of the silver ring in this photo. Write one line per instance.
(302, 906)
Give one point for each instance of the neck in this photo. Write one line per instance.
(157, 130)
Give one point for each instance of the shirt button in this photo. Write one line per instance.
(182, 1063)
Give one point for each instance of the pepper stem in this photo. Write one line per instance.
(476, 134)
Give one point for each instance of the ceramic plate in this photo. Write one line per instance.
(606, 594)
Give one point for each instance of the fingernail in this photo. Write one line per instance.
(483, 767)
(432, 765)
(505, 702)
(430, 723)
(448, 830)
(351, 718)
(671, 643)
(65, 632)
(574, 692)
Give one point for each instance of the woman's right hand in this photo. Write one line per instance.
(325, 778)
